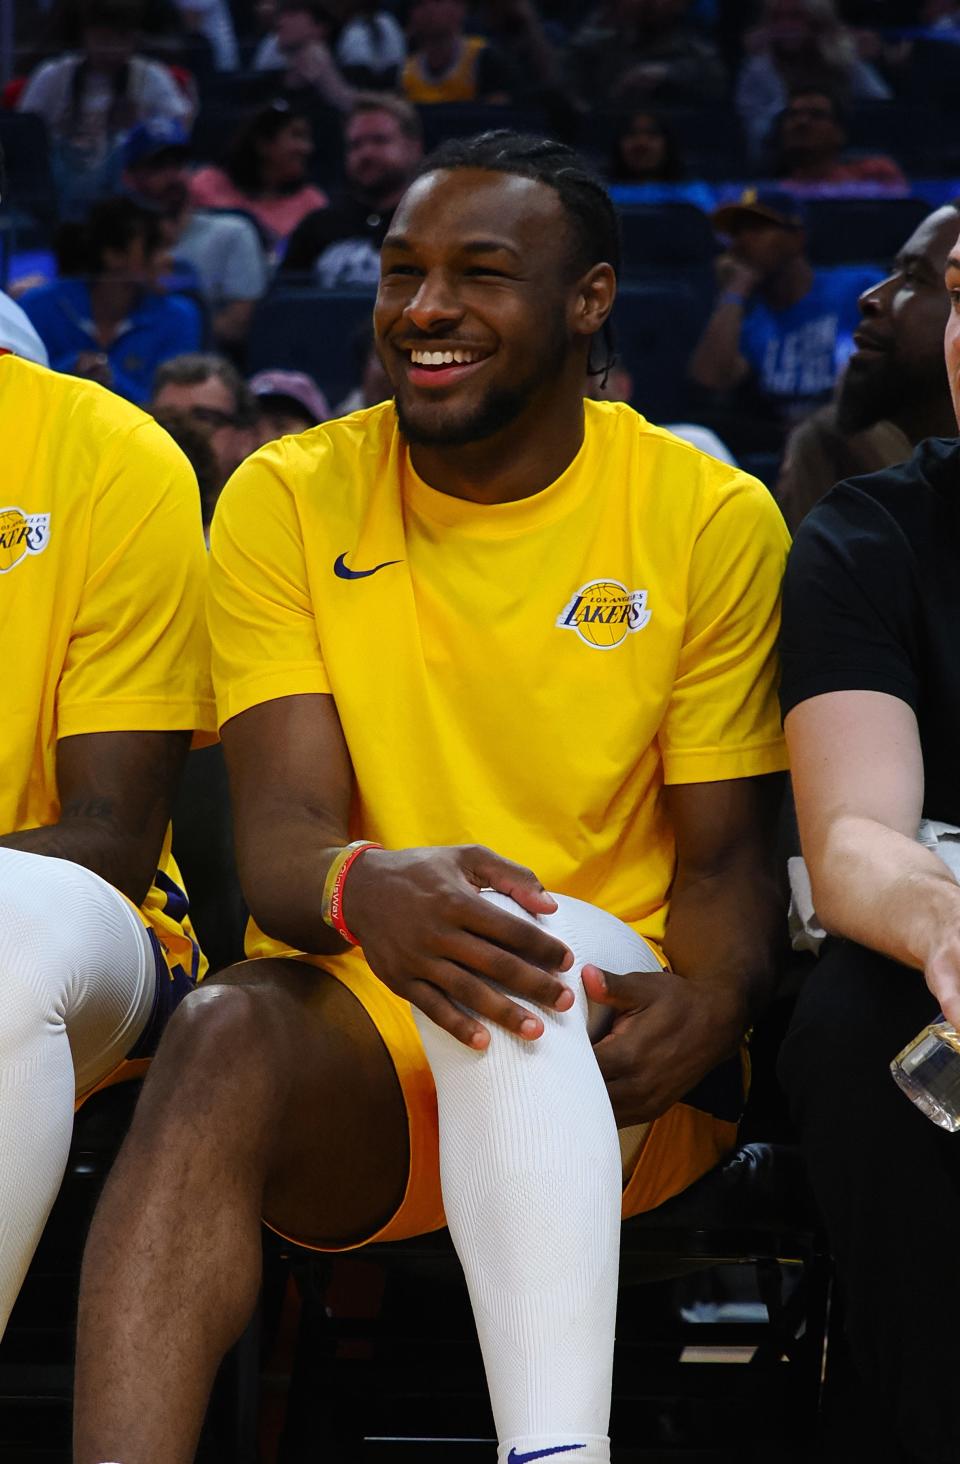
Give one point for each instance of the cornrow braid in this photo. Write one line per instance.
(595, 228)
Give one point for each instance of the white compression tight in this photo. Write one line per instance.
(531, 1176)
(77, 987)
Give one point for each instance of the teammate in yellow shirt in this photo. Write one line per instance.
(522, 642)
(104, 678)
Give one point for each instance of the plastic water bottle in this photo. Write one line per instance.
(928, 1071)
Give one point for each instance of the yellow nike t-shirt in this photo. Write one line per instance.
(526, 675)
(102, 576)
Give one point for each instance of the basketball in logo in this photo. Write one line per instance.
(604, 613)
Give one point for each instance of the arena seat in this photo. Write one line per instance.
(903, 129)
(463, 119)
(306, 329)
(388, 1352)
(25, 145)
(661, 237)
(861, 230)
(656, 327)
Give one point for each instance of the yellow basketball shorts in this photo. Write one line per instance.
(690, 1138)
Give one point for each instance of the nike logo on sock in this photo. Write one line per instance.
(342, 572)
(514, 1458)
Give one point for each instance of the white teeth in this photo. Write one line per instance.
(444, 358)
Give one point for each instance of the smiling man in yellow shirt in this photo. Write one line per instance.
(102, 571)
(478, 643)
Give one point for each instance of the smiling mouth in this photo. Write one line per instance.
(439, 366)
(452, 356)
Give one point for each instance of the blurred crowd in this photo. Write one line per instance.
(197, 191)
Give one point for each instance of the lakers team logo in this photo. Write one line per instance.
(21, 534)
(604, 613)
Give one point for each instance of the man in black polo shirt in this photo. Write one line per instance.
(339, 246)
(871, 697)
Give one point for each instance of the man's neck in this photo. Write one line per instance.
(111, 302)
(515, 463)
(788, 285)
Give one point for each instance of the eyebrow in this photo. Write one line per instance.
(472, 246)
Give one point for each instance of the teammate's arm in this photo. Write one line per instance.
(724, 932)
(857, 769)
(116, 794)
(424, 928)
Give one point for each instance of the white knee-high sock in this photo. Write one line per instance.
(77, 984)
(531, 1177)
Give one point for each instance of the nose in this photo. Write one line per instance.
(874, 301)
(434, 305)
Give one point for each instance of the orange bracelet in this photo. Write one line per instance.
(332, 907)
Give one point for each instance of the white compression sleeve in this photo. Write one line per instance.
(531, 1177)
(77, 986)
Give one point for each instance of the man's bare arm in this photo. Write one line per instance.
(725, 929)
(425, 929)
(290, 785)
(116, 793)
(858, 783)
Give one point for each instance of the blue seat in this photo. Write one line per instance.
(464, 119)
(310, 330)
(668, 238)
(656, 327)
(861, 230)
(25, 144)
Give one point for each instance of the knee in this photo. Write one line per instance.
(217, 1048)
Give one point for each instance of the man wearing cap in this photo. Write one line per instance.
(218, 254)
(780, 331)
(288, 402)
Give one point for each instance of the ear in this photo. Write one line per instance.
(594, 299)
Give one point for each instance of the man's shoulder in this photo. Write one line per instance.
(914, 500)
(208, 227)
(336, 459)
(84, 417)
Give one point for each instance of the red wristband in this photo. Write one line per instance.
(336, 894)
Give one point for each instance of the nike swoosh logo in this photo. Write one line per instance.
(342, 572)
(514, 1458)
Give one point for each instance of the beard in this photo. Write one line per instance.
(495, 412)
(871, 391)
(427, 424)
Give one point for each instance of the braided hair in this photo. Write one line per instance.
(594, 227)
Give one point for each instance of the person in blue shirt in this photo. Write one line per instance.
(781, 331)
(106, 317)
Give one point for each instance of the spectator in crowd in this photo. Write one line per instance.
(109, 318)
(871, 704)
(210, 391)
(219, 254)
(288, 402)
(373, 384)
(634, 52)
(894, 392)
(265, 174)
(799, 43)
(212, 20)
(197, 448)
(647, 165)
(810, 142)
(340, 245)
(298, 46)
(780, 331)
(90, 98)
(371, 47)
(448, 65)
